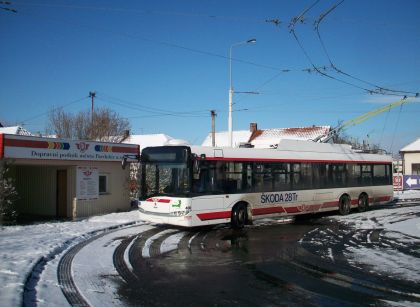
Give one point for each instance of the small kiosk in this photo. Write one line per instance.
(67, 178)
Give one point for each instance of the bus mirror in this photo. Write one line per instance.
(124, 162)
(195, 167)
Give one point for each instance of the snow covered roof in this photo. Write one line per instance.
(267, 138)
(222, 138)
(148, 140)
(15, 130)
(414, 146)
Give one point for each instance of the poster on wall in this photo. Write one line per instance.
(87, 183)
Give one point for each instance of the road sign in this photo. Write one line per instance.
(398, 182)
(411, 182)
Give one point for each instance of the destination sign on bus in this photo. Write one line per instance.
(273, 198)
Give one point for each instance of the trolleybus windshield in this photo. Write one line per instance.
(165, 171)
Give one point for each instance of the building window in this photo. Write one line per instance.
(415, 169)
(103, 184)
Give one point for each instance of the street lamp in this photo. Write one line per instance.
(250, 41)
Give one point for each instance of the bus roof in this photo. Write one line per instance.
(292, 150)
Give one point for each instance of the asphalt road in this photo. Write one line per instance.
(267, 264)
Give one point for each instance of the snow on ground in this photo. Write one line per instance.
(22, 246)
(399, 227)
(406, 195)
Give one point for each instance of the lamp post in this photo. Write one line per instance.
(250, 41)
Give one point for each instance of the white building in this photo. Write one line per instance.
(411, 158)
(66, 178)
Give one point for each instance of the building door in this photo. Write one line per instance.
(62, 193)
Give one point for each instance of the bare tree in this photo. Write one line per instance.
(105, 125)
(61, 123)
(109, 126)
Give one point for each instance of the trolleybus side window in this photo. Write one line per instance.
(367, 174)
(354, 171)
(295, 176)
(281, 176)
(234, 177)
(306, 175)
(381, 174)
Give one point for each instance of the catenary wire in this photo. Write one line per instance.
(381, 89)
(55, 108)
(376, 90)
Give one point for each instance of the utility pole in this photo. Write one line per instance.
(213, 130)
(92, 95)
(231, 91)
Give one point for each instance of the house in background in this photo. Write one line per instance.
(266, 138)
(16, 130)
(411, 158)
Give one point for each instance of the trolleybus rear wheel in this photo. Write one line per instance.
(363, 203)
(344, 205)
(239, 216)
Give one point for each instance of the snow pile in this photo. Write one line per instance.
(22, 246)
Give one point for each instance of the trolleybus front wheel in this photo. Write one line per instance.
(239, 216)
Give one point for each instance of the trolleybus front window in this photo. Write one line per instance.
(165, 171)
(171, 179)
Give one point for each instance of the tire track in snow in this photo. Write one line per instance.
(29, 290)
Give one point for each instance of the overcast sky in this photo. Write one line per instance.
(165, 64)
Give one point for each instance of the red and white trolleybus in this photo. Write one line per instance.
(193, 185)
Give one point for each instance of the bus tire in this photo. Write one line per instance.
(363, 202)
(344, 205)
(239, 216)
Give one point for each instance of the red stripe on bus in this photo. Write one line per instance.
(159, 200)
(293, 209)
(214, 215)
(330, 204)
(295, 160)
(272, 210)
(261, 211)
(311, 208)
(382, 198)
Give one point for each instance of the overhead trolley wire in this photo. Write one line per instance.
(53, 109)
(153, 112)
(174, 45)
(375, 90)
(380, 89)
(275, 21)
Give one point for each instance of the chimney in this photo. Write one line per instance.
(126, 134)
(253, 127)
